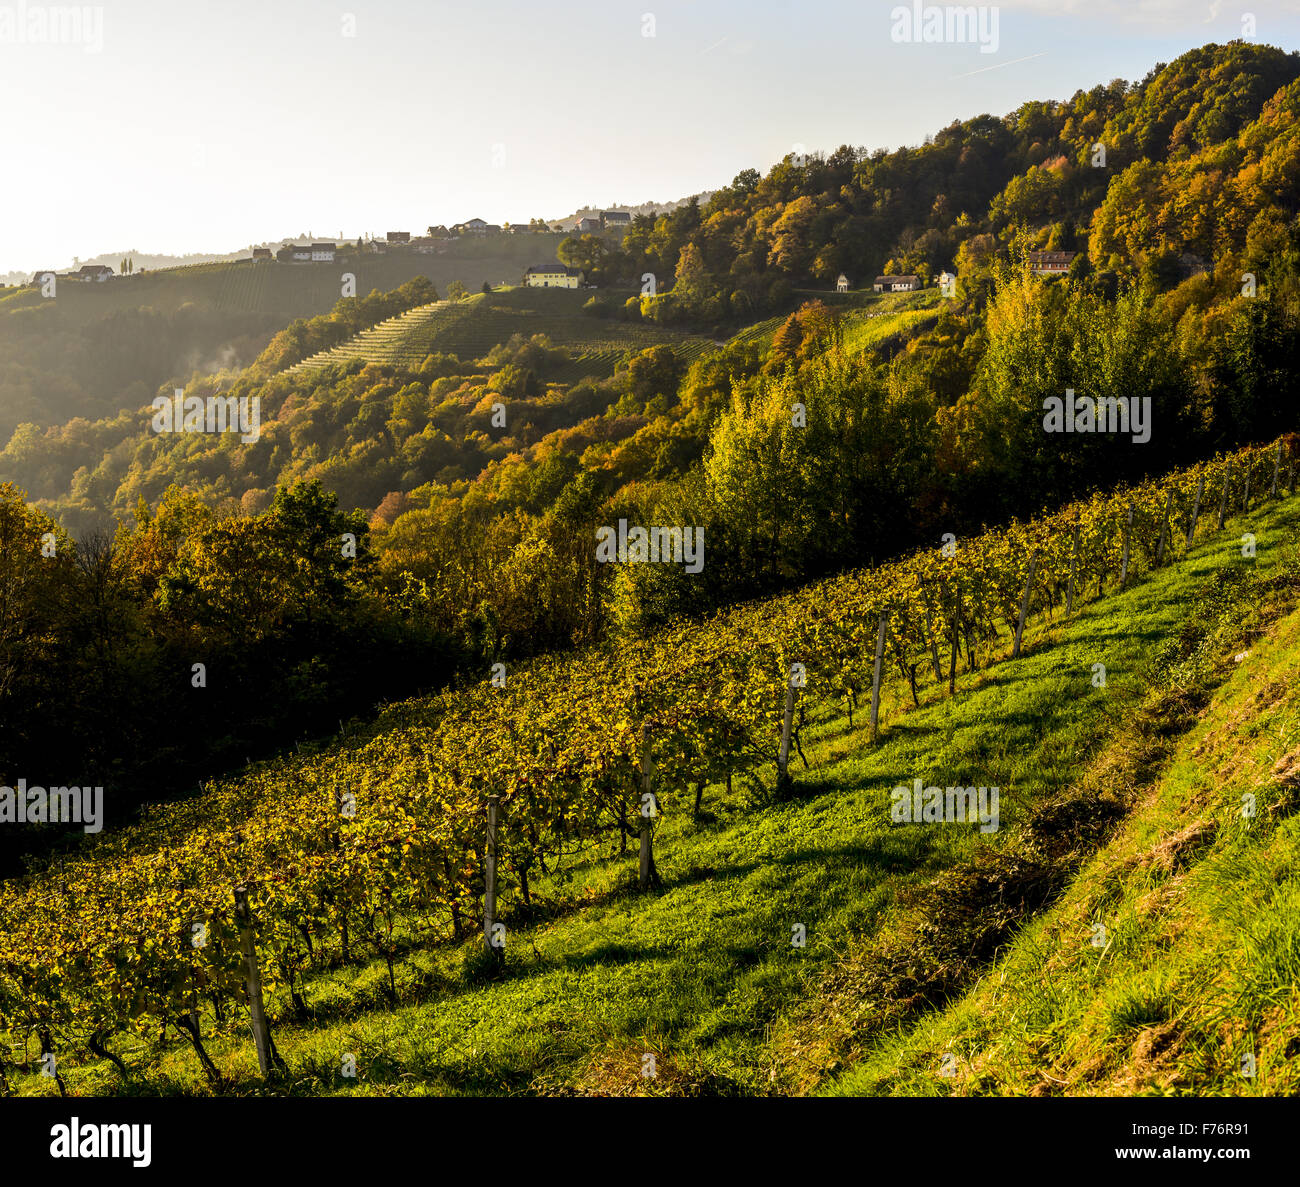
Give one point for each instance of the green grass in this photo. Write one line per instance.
(867, 318)
(703, 976)
(1199, 963)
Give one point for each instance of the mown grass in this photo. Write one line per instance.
(1193, 975)
(703, 976)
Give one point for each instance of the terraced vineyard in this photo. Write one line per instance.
(760, 332)
(867, 319)
(869, 331)
(470, 328)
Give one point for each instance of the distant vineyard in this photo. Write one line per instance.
(339, 851)
(470, 328)
(866, 333)
(866, 319)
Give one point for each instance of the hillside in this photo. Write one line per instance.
(399, 404)
(471, 327)
(1169, 965)
(1220, 119)
(701, 973)
(1154, 290)
(417, 507)
(97, 349)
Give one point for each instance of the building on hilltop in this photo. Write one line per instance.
(260, 254)
(615, 219)
(306, 253)
(586, 225)
(897, 284)
(1050, 263)
(398, 236)
(552, 276)
(89, 272)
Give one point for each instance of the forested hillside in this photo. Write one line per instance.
(780, 920)
(840, 433)
(299, 657)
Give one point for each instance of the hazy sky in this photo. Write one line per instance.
(185, 125)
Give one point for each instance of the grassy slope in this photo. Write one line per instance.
(703, 974)
(1200, 961)
(472, 327)
(868, 318)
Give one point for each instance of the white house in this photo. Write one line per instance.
(322, 253)
(99, 272)
(946, 282)
(842, 284)
(614, 219)
(552, 276)
(896, 284)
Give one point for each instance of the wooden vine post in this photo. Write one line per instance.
(490, 879)
(934, 640)
(1196, 508)
(787, 728)
(1245, 490)
(1074, 559)
(253, 982)
(952, 654)
(1223, 495)
(1277, 467)
(1164, 527)
(647, 875)
(1024, 606)
(1128, 532)
(875, 676)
